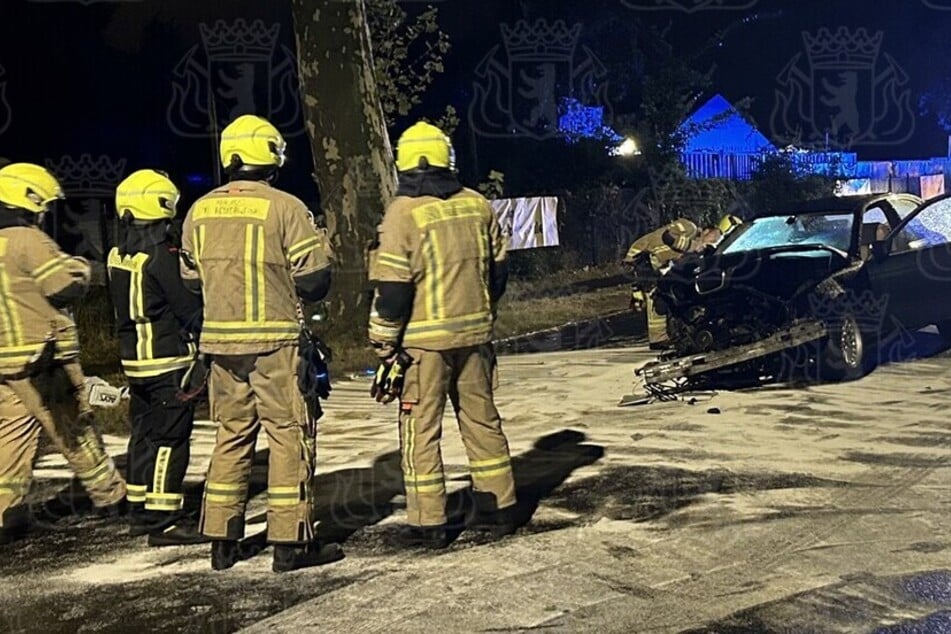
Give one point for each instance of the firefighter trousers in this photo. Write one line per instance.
(249, 392)
(54, 402)
(467, 376)
(656, 323)
(158, 447)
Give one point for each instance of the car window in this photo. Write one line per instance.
(828, 229)
(930, 227)
(874, 214)
(904, 206)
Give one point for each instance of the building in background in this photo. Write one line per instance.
(721, 143)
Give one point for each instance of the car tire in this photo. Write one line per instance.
(848, 352)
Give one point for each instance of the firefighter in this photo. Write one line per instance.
(41, 382)
(439, 270)
(256, 253)
(651, 255)
(158, 320)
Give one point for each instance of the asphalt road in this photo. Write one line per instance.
(819, 509)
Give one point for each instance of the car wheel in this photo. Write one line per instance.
(848, 353)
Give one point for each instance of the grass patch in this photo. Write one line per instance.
(522, 316)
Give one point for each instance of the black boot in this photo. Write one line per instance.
(423, 536)
(11, 534)
(117, 511)
(143, 522)
(224, 554)
(499, 523)
(183, 532)
(288, 557)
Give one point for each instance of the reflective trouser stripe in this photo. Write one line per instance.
(160, 472)
(221, 493)
(100, 472)
(18, 486)
(429, 483)
(164, 501)
(284, 496)
(135, 493)
(490, 468)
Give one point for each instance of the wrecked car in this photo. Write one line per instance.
(819, 283)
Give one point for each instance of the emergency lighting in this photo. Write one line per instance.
(627, 148)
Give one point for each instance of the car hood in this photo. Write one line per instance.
(779, 272)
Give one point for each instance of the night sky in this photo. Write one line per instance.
(99, 78)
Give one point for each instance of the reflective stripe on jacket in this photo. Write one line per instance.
(446, 249)
(32, 271)
(248, 242)
(155, 314)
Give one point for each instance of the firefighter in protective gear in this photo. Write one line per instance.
(651, 255)
(158, 321)
(256, 254)
(41, 382)
(439, 270)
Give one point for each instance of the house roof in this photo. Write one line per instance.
(717, 126)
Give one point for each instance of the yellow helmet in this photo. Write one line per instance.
(149, 195)
(728, 223)
(424, 140)
(28, 186)
(254, 141)
(679, 235)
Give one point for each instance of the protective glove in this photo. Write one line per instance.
(637, 300)
(390, 375)
(195, 380)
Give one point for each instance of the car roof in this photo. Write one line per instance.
(835, 204)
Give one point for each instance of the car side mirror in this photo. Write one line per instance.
(880, 249)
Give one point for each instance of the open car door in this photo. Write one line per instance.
(912, 266)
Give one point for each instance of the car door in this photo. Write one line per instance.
(915, 273)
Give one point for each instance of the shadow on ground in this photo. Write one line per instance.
(862, 603)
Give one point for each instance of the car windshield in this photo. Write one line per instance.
(829, 229)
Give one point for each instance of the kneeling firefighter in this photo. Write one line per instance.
(158, 321)
(257, 257)
(650, 256)
(41, 382)
(439, 271)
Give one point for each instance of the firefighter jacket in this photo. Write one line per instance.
(157, 317)
(665, 244)
(37, 281)
(449, 252)
(256, 253)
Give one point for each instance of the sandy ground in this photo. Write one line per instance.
(820, 509)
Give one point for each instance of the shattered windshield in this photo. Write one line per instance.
(829, 229)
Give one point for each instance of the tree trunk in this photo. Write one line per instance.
(353, 163)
